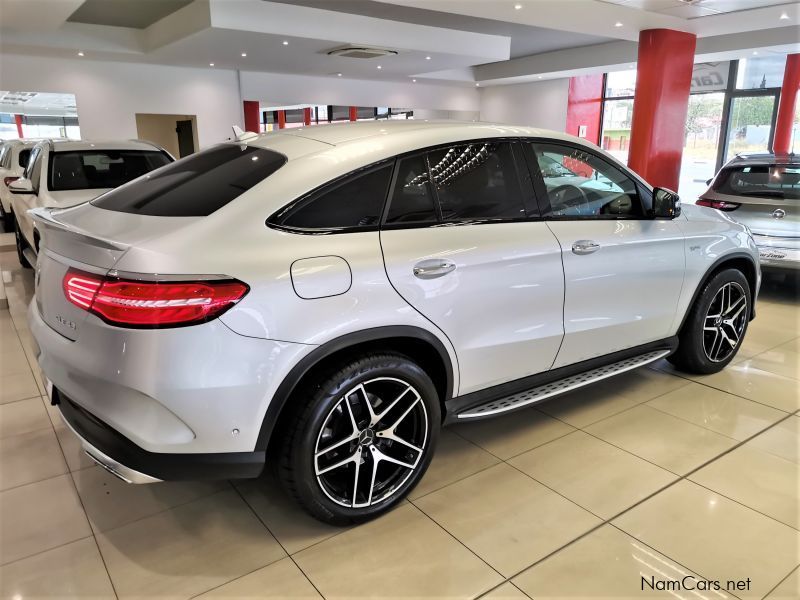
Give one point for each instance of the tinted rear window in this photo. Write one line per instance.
(765, 181)
(24, 155)
(197, 185)
(98, 169)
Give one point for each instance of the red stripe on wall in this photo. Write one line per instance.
(252, 122)
(584, 106)
(786, 106)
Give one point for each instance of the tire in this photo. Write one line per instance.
(339, 425)
(21, 245)
(716, 324)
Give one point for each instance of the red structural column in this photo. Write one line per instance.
(786, 106)
(18, 121)
(660, 105)
(252, 122)
(307, 116)
(281, 119)
(354, 113)
(584, 105)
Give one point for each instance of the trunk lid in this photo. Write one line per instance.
(775, 217)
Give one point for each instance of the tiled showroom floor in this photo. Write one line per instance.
(647, 475)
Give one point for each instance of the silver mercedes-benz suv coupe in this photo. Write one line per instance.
(762, 191)
(326, 298)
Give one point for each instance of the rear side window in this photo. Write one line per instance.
(354, 203)
(24, 156)
(477, 182)
(197, 185)
(412, 198)
(765, 181)
(99, 169)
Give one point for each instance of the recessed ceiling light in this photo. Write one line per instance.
(755, 52)
(244, 54)
(539, 77)
(618, 24)
(784, 16)
(518, 7)
(285, 42)
(80, 53)
(210, 64)
(380, 67)
(413, 81)
(477, 85)
(427, 58)
(338, 74)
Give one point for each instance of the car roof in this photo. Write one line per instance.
(63, 145)
(763, 158)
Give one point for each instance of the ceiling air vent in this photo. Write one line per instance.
(360, 52)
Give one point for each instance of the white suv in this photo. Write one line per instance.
(326, 298)
(14, 156)
(64, 173)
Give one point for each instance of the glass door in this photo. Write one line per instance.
(750, 125)
(701, 144)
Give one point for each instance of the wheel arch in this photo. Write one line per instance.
(416, 343)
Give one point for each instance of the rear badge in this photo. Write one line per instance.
(778, 213)
(66, 322)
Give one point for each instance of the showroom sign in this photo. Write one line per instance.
(710, 77)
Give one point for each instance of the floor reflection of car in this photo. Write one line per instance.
(576, 194)
(762, 191)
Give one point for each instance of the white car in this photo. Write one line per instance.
(326, 298)
(14, 156)
(64, 173)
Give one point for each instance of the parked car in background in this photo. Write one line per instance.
(325, 298)
(13, 159)
(762, 191)
(64, 173)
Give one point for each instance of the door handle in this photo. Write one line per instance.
(431, 269)
(585, 247)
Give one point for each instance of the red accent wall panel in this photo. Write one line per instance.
(252, 122)
(354, 113)
(786, 106)
(281, 119)
(584, 105)
(660, 105)
(307, 116)
(18, 121)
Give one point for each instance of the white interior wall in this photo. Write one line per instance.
(540, 104)
(109, 94)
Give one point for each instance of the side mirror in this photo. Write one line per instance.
(666, 204)
(708, 181)
(21, 186)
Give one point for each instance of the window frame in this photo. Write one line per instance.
(643, 199)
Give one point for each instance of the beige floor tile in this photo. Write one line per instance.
(110, 502)
(669, 442)
(598, 476)
(71, 447)
(761, 337)
(756, 384)
(74, 570)
(779, 360)
(400, 555)
(594, 402)
(607, 563)
(18, 386)
(279, 580)
(781, 440)
(789, 589)
(23, 416)
(13, 363)
(507, 591)
(188, 549)
(718, 411)
(513, 434)
(762, 481)
(294, 528)
(454, 459)
(40, 516)
(30, 457)
(507, 518)
(716, 537)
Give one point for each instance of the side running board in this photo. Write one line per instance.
(560, 386)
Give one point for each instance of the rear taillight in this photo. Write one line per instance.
(132, 303)
(7, 181)
(718, 204)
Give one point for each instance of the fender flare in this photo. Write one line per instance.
(293, 378)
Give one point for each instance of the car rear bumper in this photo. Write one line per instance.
(121, 457)
(778, 252)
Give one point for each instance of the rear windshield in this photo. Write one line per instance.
(197, 185)
(765, 181)
(98, 169)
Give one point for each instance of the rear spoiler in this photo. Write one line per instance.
(45, 218)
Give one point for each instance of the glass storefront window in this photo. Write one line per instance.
(750, 124)
(760, 72)
(617, 119)
(703, 125)
(620, 83)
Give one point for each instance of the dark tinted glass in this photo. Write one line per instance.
(580, 184)
(765, 181)
(355, 202)
(412, 200)
(98, 169)
(24, 155)
(197, 185)
(477, 182)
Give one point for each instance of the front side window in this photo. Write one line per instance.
(99, 169)
(477, 181)
(580, 184)
(353, 203)
(197, 185)
(764, 181)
